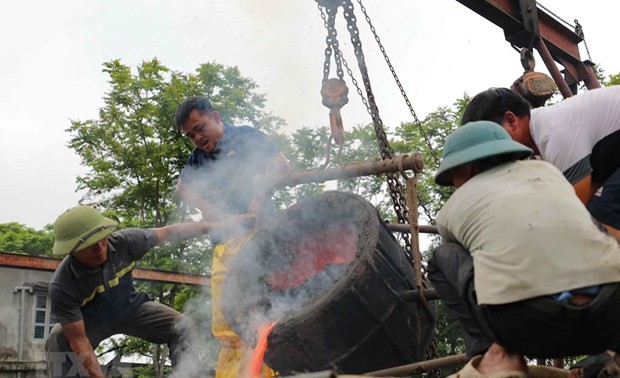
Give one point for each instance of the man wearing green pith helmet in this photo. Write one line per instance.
(524, 267)
(92, 293)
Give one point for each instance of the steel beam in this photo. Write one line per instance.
(13, 260)
(562, 43)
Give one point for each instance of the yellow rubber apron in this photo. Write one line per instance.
(234, 355)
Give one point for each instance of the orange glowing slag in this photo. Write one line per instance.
(258, 355)
(337, 245)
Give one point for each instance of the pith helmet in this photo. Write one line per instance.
(79, 228)
(476, 141)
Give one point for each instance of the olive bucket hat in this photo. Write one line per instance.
(79, 228)
(476, 141)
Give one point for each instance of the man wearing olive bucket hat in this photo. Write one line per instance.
(92, 293)
(523, 265)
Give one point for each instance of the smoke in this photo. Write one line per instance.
(202, 348)
(294, 261)
(329, 275)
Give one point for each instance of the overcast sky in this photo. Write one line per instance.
(51, 55)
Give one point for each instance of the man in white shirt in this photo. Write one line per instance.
(579, 135)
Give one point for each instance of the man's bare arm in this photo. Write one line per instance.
(192, 198)
(280, 164)
(184, 231)
(75, 333)
(585, 189)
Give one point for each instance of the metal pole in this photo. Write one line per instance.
(319, 374)
(401, 163)
(20, 336)
(418, 367)
(425, 229)
(553, 69)
(413, 295)
(590, 79)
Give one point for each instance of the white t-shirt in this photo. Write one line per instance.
(581, 135)
(528, 234)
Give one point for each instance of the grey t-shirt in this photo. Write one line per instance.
(102, 294)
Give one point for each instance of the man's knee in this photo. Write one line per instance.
(451, 264)
(445, 255)
(56, 340)
(60, 359)
(184, 326)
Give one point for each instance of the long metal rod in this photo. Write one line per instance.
(319, 374)
(22, 290)
(590, 79)
(419, 367)
(408, 162)
(413, 295)
(424, 228)
(553, 69)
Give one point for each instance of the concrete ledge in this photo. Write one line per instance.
(6, 366)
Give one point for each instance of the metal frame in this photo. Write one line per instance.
(526, 25)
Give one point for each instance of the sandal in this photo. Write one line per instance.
(600, 365)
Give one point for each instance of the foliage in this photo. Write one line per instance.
(437, 125)
(306, 150)
(135, 152)
(613, 80)
(361, 144)
(18, 238)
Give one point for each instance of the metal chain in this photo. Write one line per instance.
(395, 187)
(552, 13)
(346, 66)
(414, 235)
(576, 26)
(331, 40)
(579, 32)
(431, 353)
(412, 212)
(417, 122)
(328, 49)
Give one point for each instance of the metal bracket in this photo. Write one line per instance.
(330, 3)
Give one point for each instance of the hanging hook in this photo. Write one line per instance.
(330, 3)
(527, 59)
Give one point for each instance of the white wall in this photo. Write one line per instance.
(10, 278)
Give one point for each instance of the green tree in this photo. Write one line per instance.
(613, 80)
(18, 238)
(428, 138)
(135, 152)
(361, 144)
